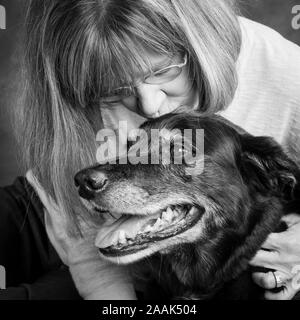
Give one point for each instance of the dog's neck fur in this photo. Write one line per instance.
(213, 268)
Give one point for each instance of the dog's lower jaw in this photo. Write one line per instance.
(163, 246)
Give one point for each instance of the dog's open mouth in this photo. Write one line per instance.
(129, 234)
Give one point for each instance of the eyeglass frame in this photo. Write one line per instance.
(132, 88)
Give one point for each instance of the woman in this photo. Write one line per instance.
(93, 63)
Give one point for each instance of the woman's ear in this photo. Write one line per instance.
(267, 168)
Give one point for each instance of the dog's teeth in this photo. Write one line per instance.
(175, 214)
(147, 229)
(167, 216)
(164, 215)
(158, 223)
(169, 211)
(122, 237)
(115, 240)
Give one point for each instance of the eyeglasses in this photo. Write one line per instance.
(161, 76)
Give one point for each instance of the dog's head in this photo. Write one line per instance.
(223, 203)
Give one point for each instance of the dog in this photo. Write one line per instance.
(192, 228)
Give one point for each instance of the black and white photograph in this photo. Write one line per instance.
(150, 150)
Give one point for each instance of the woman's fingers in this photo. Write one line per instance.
(267, 259)
(280, 252)
(270, 280)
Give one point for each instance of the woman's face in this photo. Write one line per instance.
(169, 89)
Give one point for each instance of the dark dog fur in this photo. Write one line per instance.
(247, 185)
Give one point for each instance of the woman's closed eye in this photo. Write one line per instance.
(111, 100)
(117, 95)
(163, 72)
(163, 75)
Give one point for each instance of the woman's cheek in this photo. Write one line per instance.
(180, 88)
(130, 103)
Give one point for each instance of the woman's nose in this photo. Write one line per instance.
(151, 99)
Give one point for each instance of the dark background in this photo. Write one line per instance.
(274, 13)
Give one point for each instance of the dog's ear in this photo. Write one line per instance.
(266, 167)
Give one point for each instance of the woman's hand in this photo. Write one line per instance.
(280, 252)
(94, 278)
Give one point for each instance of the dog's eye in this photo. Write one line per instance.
(186, 155)
(178, 153)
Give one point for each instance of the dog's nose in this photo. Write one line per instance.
(90, 183)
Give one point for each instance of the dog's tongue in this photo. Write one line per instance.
(108, 233)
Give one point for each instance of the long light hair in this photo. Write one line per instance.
(78, 50)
